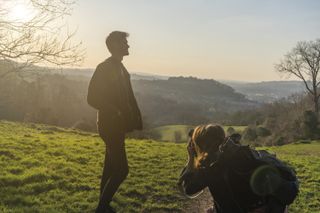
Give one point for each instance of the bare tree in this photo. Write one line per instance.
(41, 38)
(303, 61)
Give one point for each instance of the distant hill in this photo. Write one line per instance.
(181, 100)
(263, 92)
(88, 72)
(203, 96)
(267, 91)
(145, 76)
(59, 98)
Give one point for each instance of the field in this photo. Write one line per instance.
(169, 132)
(50, 169)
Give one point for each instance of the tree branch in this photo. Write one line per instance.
(39, 40)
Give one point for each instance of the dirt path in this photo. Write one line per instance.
(199, 204)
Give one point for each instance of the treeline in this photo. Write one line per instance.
(281, 122)
(48, 99)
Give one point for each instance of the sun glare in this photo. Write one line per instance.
(21, 12)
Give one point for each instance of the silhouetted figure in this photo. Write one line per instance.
(110, 92)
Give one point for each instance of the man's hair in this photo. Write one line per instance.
(115, 37)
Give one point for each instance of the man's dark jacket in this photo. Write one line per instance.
(110, 92)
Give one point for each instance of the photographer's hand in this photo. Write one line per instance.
(191, 150)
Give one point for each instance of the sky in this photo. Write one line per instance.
(238, 40)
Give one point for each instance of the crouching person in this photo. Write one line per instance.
(240, 179)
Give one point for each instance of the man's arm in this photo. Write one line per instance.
(100, 94)
(134, 104)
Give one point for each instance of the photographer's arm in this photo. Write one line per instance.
(192, 181)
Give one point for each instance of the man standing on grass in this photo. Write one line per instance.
(110, 92)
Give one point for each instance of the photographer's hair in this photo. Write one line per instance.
(114, 38)
(207, 139)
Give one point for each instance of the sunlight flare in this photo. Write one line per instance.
(21, 11)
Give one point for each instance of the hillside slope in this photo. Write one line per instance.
(49, 169)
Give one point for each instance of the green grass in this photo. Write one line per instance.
(49, 169)
(305, 158)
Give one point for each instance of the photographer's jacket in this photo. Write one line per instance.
(234, 186)
(110, 92)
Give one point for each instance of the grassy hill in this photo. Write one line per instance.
(49, 169)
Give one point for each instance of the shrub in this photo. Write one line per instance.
(263, 132)
(280, 141)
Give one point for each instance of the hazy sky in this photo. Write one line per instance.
(219, 39)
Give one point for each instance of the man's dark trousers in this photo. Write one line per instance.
(115, 168)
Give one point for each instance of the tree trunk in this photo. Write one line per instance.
(316, 104)
(315, 96)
